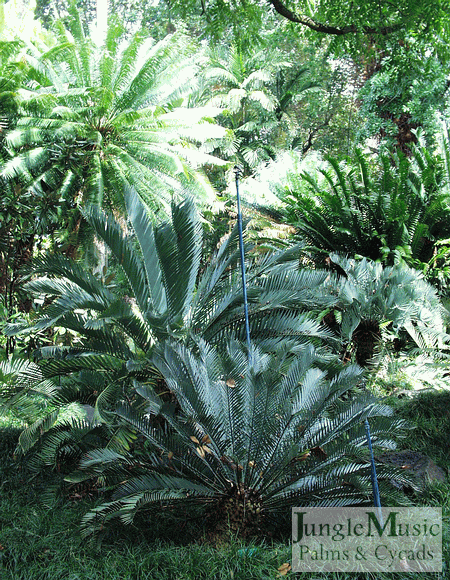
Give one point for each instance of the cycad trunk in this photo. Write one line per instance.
(366, 337)
(17, 254)
(239, 512)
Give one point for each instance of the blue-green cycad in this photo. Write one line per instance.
(104, 116)
(395, 298)
(249, 440)
(168, 296)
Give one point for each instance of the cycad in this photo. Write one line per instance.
(102, 117)
(18, 223)
(242, 83)
(376, 299)
(24, 390)
(394, 213)
(248, 441)
(12, 76)
(166, 297)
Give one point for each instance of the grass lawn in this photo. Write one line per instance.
(42, 543)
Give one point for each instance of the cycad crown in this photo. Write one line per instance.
(247, 443)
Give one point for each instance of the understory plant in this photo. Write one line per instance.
(252, 435)
(24, 390)
(171, 292)
(174, 410)
(389, 208)
(381, 306)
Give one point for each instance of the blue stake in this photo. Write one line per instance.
(241, 249)
(373, 475)
(376, 491)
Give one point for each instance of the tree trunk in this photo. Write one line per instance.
(366, 337)
(404, 136)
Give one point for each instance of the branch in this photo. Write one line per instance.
(312, 133)
(307, 146)
(324, 28)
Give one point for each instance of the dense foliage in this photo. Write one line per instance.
(249, 440)
(123, 300)
(101, 117)
(389, 209)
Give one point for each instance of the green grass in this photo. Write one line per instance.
(430, 413)
(41, 543)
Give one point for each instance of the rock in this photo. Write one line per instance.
(416, 465)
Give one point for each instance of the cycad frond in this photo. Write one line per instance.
(99, 113)
(24, 389)
(374, 212)
(277, 433)
(374, 297)
(179, 251)
(115, 238)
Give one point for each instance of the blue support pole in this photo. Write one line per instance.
(373, 474)
(241, 250)
(376, 492)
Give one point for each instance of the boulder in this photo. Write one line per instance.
(418, 466)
